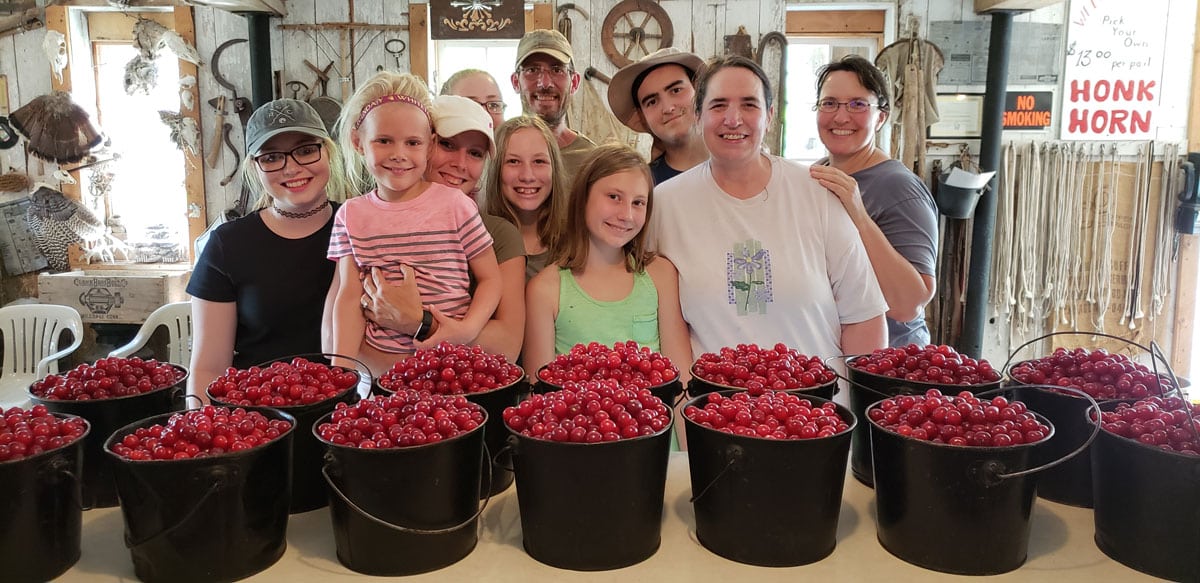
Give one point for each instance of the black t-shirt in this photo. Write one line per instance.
(279, 285)
(661, 171)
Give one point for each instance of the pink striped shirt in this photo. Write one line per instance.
(436, 234)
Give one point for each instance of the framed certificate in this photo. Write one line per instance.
(961, 116)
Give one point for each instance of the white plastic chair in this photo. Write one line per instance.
(31, 333)
(177, 318)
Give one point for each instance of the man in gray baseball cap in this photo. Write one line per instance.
(546, 79)
(656, 95)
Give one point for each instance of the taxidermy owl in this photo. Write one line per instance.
(57, 221)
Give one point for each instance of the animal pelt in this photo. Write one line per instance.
(57, 130)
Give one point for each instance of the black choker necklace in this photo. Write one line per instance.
(303, 215)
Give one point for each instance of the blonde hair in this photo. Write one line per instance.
(571, 249)
(338, 188)
(381, 84)
(551, 213)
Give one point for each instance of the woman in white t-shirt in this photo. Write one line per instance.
(765, 253)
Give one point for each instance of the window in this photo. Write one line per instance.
(497, 57)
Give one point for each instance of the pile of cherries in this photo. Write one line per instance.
(963, 419)
(451, 369)
(770, 415)
(282, 384)
(108, 378)
(406, 418)
(632, 365)
(589, 412)
(205, 432)
(1095, 372)
(1159, 422)
(29, 432)
(933, 363)
(747, 366)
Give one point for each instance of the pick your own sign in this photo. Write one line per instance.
(1113, 69)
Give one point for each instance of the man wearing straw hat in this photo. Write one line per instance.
(656, 95)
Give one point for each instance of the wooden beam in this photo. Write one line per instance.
(835, 22)
(418, 40)
(57, 20)
(1188, 268)
(984, 6)
(193, 167)
(543, 17)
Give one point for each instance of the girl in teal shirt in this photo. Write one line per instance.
(607, 288)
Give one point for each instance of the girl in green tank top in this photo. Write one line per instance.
(602, 285)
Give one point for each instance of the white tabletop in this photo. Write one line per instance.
(1061, 549)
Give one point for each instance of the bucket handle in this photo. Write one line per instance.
(733, 457)
(220, 477)
(510, 445)
(993, 471)
(1018, 349)
(60, 465)
(381, 522)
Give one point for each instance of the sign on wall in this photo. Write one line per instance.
(1114, 69)
(483, 19)
(1028, 110)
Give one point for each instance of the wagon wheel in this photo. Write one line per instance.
(634, 29)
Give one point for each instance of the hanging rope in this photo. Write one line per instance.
(1161, 270)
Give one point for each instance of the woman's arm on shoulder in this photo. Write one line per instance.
(505, 332)
(541, 310)
(214, 328)
(672, 329)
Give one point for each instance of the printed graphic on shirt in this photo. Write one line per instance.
(748, 277)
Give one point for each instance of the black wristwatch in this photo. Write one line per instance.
(426, 327)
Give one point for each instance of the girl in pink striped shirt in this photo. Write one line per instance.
(403, 222)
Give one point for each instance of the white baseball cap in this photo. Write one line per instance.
(453, 115)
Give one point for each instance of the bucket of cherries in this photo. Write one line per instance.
(485, 379)
(40, 461)
(757, 369)
(305, 387)
(911, 369)
(204, 493)
(110, 393)
(1106, 377)
(593, 453)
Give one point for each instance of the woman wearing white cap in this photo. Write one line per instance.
(461, 148)
(258, 287)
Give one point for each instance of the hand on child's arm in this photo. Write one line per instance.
(447, 328)
(394, 306)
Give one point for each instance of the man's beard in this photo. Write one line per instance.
(551, 119)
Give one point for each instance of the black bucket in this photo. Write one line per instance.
(1147, 506)
(867, 388)
(308, 487)
(698, 386)
(955, 509)
(494, 434)
(41, 513)
(220, 518)
(668, 391)
(408, 510)
(591, 506)
(106, 416)
(773, 503)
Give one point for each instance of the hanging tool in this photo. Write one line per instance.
(241, 105)
(395, 47)
(214, 150)
(564, 19)
(1187, 216)
(295, 87)
(237, 162)
(774, 137)
(322, 79)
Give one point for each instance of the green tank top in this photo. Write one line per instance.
(583, 319)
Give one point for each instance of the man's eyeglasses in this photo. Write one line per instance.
(275, 161)
(853, 106)
(533, 72)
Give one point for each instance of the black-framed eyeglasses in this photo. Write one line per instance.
(493, 106)
(535, 71)
(831, 105)
(275, 161)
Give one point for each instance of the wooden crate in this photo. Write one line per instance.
(115, 297)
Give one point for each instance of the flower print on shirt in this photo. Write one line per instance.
(748, 277)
